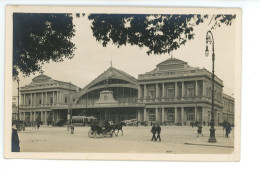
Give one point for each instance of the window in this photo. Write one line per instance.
(51, 100)
(190, 92)
(66, 100)
(152, 93)
(170, 117)
(170, 92)
(40, 101)
(190, 117)
(29, 102)
(152, 117)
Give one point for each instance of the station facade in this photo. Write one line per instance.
(172, 93)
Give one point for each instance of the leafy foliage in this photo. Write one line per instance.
(159, 33)
(39, 38)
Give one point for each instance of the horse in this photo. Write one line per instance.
(118, 126)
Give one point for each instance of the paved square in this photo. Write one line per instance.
(134, 140)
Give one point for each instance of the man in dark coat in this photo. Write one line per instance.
(228, 129)
(153, 130)
(15, 140)
(158, 131)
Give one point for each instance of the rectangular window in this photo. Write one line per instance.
(51, 100)
(152, 117)
(40, 101)
(66, 100)
(190, 117)
(170, 93)
(29, 102)
(152, 93)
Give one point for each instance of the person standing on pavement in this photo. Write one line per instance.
(199, 130)
(228, 129)
(15, 140)
(158, 131)
(153, 130)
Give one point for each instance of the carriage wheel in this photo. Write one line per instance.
(110, 134)
(117, 133)
(91, 134)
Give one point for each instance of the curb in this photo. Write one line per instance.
(209, 145)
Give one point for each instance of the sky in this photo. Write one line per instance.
(91, 58)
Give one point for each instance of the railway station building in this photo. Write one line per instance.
(172, 93)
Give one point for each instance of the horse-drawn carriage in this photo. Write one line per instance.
(105, 129)
(100, 130)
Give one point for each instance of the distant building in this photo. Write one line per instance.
(15, 108)
(228, 108)
(172, 93)
(46, 99)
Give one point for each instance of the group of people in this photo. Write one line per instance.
(156, 130)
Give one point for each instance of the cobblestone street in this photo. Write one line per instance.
(134, 140)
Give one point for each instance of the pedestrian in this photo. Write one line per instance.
(158, 131)
(153, 130)
(199, 130)
(228, 129)
(15, 139)
(38, 125)
(72, 128)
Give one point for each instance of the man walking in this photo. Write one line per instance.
(228, 129)
(153, 130)
(158, 131)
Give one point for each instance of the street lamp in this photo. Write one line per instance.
(210, 40)
(18, 108)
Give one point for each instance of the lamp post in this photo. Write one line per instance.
(68, 115)
(210, 40)
(18, 108)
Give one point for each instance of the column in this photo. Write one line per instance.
(203, 88)
(53, 116)
(139, 91)
(42, 103)
(196, 89)
(182, 115)
(202, 114)
(156, 115)
(58, 100)
(163, 115)
(35, 101)
(176, 90)
(31, 118)
(42, 116)
(157, 91)
(183, 90)
(45, 118)
(62, 98)
(31, 100)
(145, 92)
(196, 115)
(145, 116)
(176, 115)
(138, 116)
(34, 116)
(53, 97)
(163, 91)
(24, 103)
(21, 103)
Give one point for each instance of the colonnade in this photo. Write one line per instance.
(44, 98)
(143, 93)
